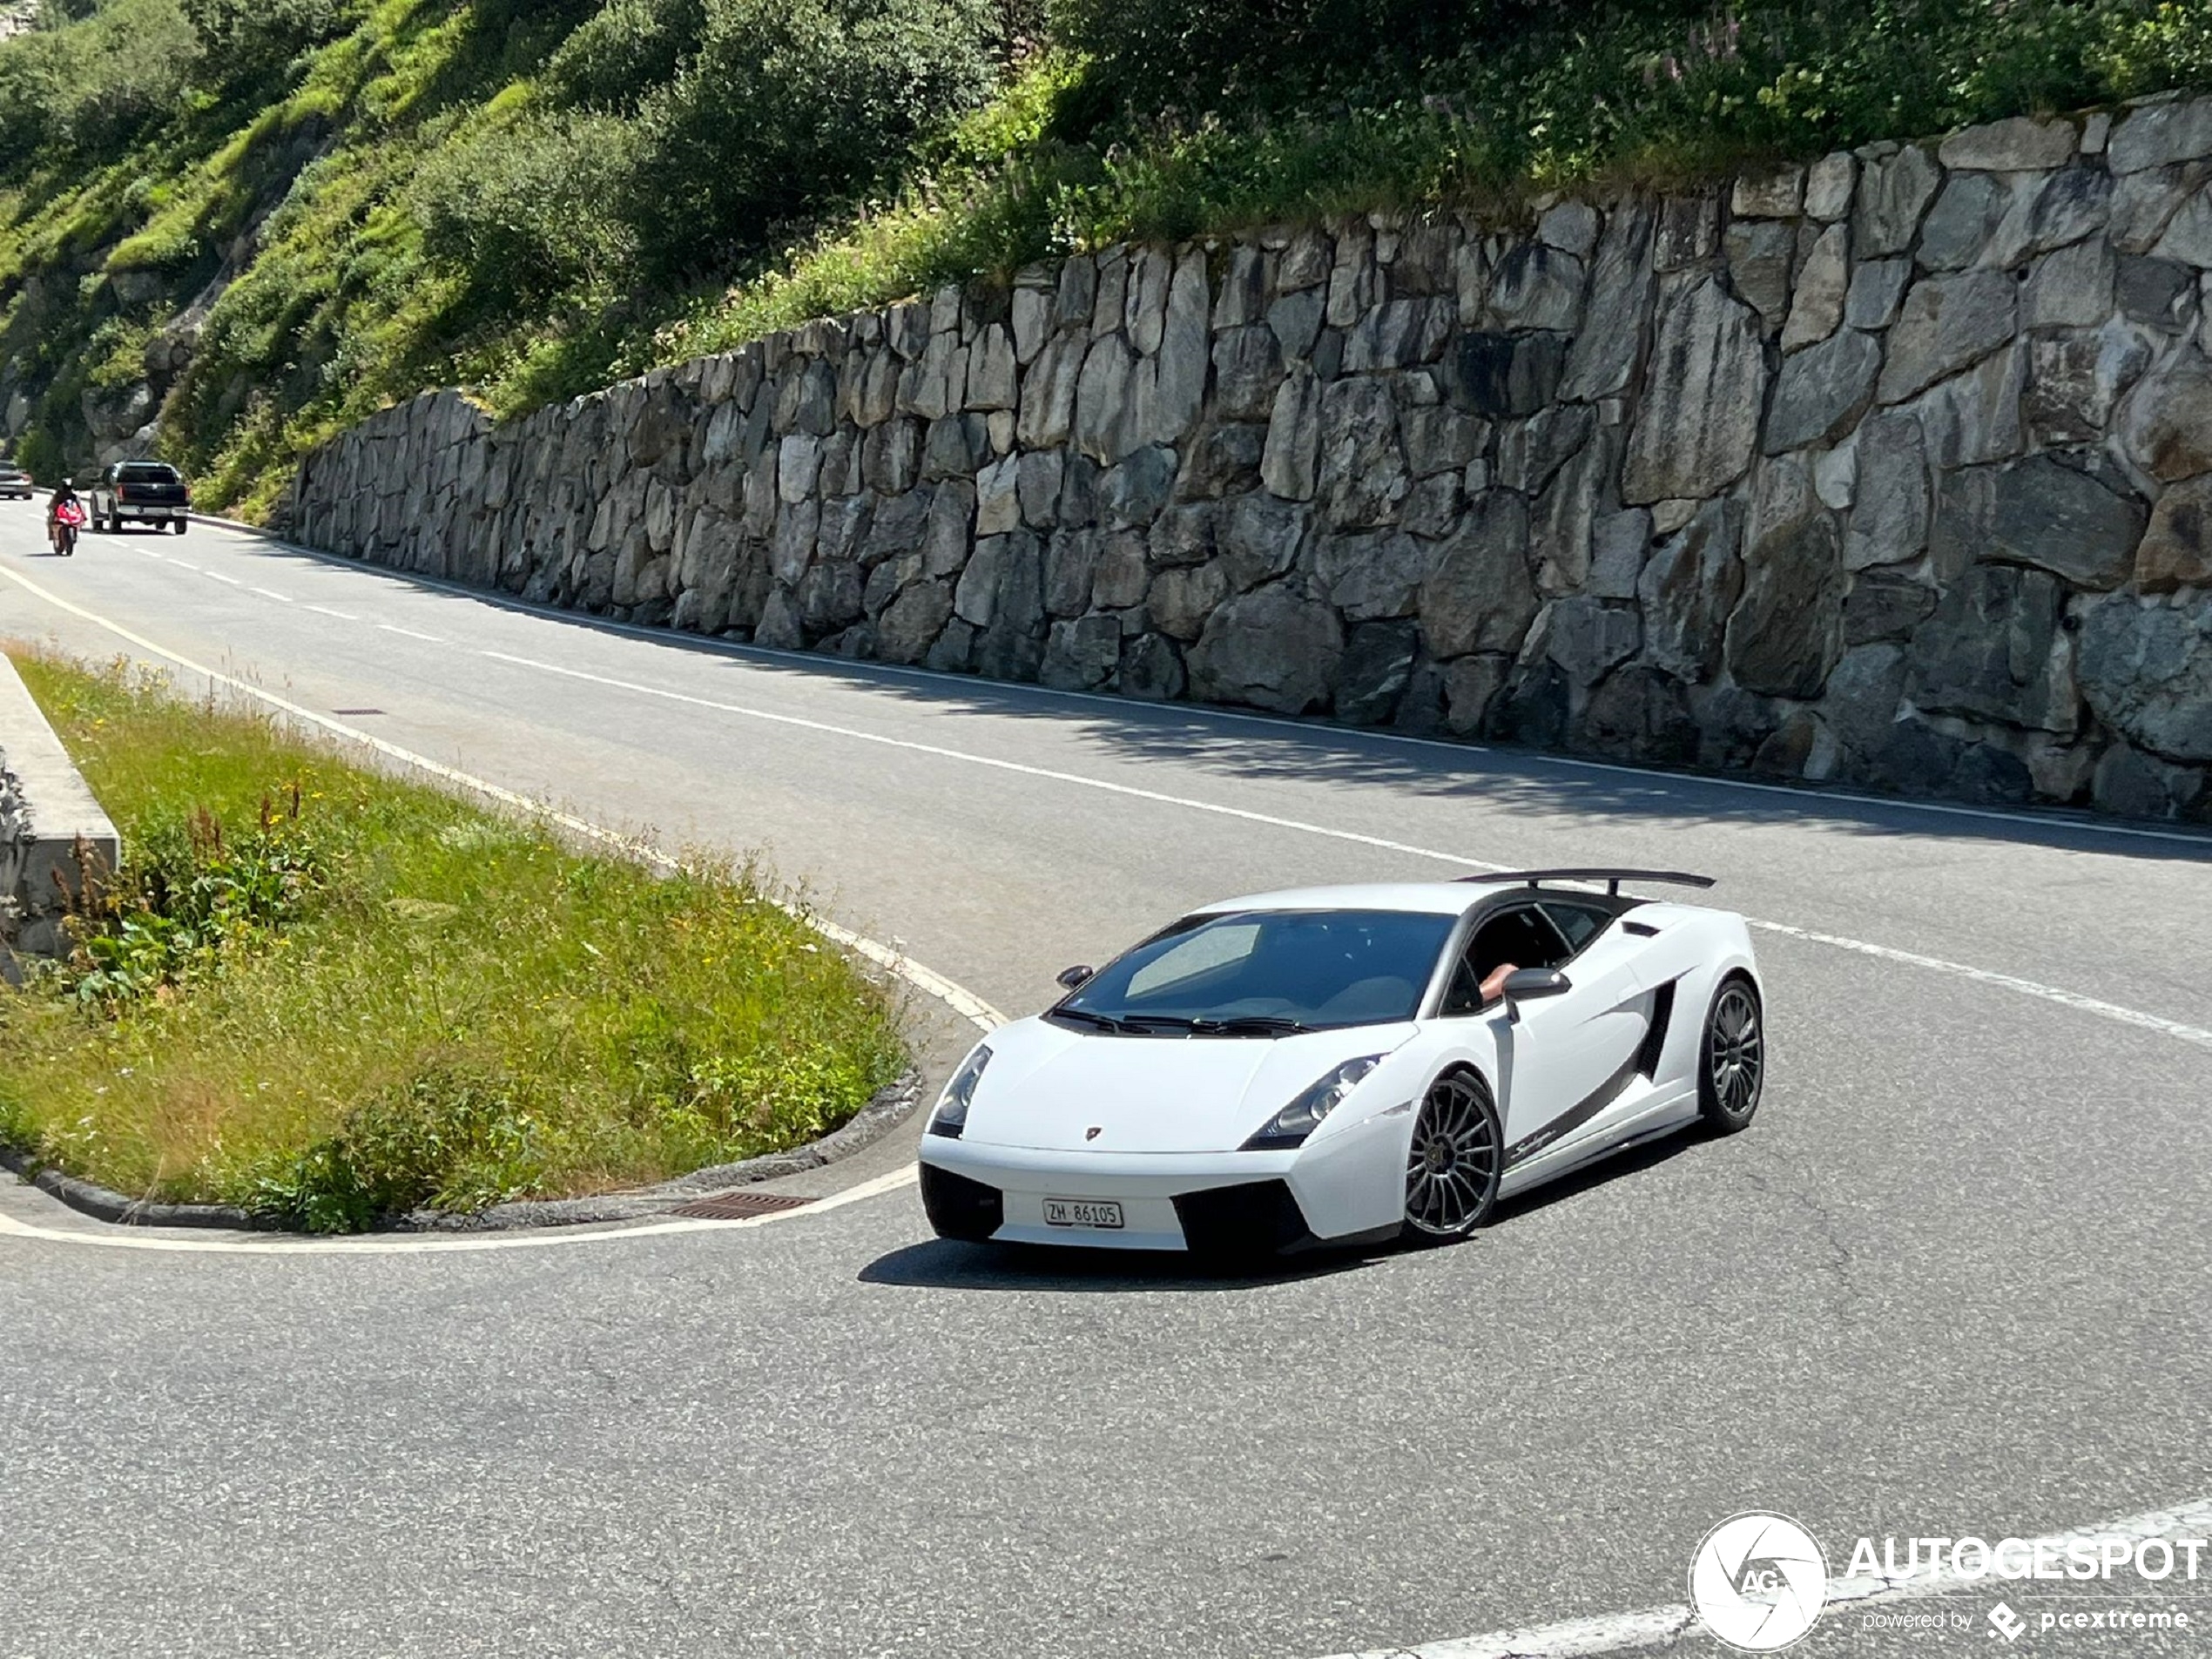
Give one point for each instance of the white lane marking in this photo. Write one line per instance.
(1658, 784)
(393, 628)
(148, 553)
(342, 615)
(964, 1002)
(2195, 1034)
(182, 565)
(1934, 964)
(281, 598)
(227, 581)
(1659, 1627)
(177, 1240)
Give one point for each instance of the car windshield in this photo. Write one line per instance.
(1265, 973)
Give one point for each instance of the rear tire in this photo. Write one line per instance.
(1731, 1060)
(1455, 1160)
(178, 524)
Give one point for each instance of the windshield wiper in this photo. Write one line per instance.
(1242, 1025)
(1103, 1021)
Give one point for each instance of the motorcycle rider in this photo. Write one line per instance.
(65, 495)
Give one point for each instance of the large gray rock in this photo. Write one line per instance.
(1531, 452)
(1373, 575)
(1105, 422)
(1893, 195)
(1688, 588)
(1889, 519)
(1261, 537)
(1994, 650)
(1501, 376)
(1248, 367)
(1132, 494)
(1440, 438)
(1602, 362)
(1947, 323)
(1863, 695)
(2161, 135)
(1152, 668)
(1822, 286)
(1760, 254)
(2189, 236)
(1823, 391)
(1966, 216)
(2176, 550)
(2074, 381)
(1787, 633)
(2159, 293)
(2144, 204)
(1479, 595)
(1081, 655)
(1377, 663)
(2167, 425)
(1584, 637)
(2146, 668)
(1885, 605)
(1828, 184)
(1641, 713)
(1877, 289)
(2071, 288)
(1699, 423)
(1070, 567)
(1288, 463)
(1976, 416)
(1536, 287)
(1268, 649)
(1180, 600)
(2016, 145)
(2080, 521)
(1361, 476)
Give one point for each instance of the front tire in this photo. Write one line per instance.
(1455, 1160)
(1731, 1063)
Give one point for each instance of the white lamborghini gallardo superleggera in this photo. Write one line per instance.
(1344, 1065)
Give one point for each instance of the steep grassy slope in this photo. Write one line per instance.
(262, 219)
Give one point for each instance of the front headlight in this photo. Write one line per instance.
(951, 1116)
(1302, 1117)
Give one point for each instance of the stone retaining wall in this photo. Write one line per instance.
(51, 830)
(1895, 470)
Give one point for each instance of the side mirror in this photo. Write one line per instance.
(1527, 983)
(1069, 979)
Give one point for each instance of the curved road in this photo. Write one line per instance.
(1954, 1282)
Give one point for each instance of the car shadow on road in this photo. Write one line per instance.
(943, 1264)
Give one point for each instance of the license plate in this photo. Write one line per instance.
(1081, 1212)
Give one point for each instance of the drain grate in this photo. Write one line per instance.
(740, 1206)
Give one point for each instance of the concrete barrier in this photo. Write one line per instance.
(53, 833)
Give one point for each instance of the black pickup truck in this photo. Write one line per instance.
(138, 492)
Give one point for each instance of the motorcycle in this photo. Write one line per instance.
(69, 518)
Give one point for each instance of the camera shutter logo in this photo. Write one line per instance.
(1758, 1581)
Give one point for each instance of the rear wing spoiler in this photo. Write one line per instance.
(1613, 879)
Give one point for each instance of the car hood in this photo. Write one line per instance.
(1048, 1088)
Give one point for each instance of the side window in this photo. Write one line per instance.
(1578, 923)
(1520, 936)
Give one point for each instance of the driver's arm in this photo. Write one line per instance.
(1494, 982)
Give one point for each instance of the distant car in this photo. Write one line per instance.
(139, 492)
(16, 484)
(1321, 1066)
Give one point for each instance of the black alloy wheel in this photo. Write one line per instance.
(1456, 1160)
(1731, 1068)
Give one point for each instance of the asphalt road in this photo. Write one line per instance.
(1954, 1282)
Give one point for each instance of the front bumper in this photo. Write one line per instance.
(1215, 1203)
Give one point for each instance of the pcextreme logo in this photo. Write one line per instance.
(1758, 1581)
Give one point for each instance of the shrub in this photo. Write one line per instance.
(791, 103)
(627, 50)
(452, 1135)
(248, 41)
(533, 209)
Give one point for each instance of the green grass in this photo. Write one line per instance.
(395, 996)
